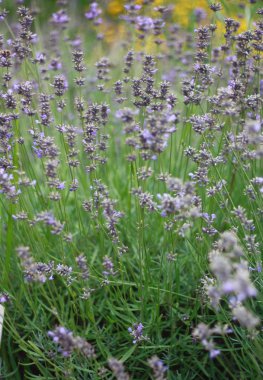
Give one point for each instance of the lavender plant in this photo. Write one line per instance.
(131, 190)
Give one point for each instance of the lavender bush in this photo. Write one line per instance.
(131, 181)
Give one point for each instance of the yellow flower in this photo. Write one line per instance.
(115, 7)
(183, 10)
(182, 14)
(112, 32)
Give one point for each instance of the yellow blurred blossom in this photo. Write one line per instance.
(183, 14)
(184, 9)
(115, 7)
(112, 32)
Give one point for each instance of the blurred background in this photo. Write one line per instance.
(184, 11)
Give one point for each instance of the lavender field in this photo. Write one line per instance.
(131, 182)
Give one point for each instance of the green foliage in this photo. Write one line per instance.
(166, 296)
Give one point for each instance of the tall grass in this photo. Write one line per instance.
(131, 193)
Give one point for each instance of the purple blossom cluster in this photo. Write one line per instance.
(68, 343)
(205, 334)
(232, 279)
(94, 13)
(158, 367)
(136, 331)
(118, 369)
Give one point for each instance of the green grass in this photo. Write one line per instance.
(165, 296)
